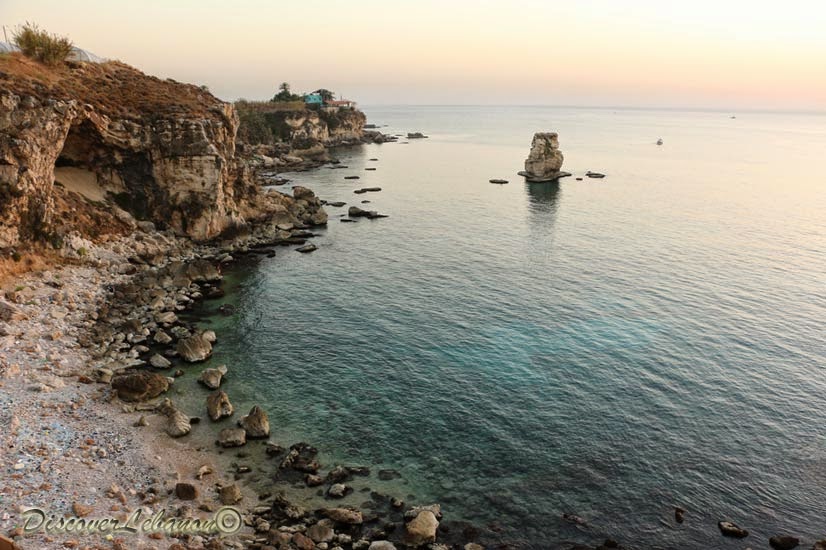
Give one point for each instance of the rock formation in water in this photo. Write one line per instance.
(95, 147)
(545, 159)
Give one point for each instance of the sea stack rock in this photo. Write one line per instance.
(545, 159)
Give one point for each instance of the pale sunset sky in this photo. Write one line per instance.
(727, 54)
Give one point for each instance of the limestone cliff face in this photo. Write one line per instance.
(310, 129)
(161, 150)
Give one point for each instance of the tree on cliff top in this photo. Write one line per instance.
(38, 44)
(325, 94)
(284, 93)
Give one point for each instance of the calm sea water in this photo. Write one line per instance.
(611, 348)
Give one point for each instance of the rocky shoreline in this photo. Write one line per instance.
(92, 354)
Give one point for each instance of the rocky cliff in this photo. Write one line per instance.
(158, 149)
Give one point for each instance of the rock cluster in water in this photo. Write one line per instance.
(545, 159)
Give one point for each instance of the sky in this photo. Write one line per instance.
(719, 54)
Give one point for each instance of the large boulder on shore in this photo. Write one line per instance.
(421, 529)
(140, 386)
(545, 159)
(256, 423)
(218, 405)
(194, 349)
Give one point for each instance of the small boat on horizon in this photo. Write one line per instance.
(660, 141)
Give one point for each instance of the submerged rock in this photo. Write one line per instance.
(729, 529)
(421, 529)
(344, 515)
(545, 159)
(784, 542)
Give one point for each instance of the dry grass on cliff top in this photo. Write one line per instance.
(112, 88)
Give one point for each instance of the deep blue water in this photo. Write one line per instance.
(610, 348)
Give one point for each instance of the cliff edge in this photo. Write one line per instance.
(94, 147)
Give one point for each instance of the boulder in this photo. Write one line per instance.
(159, 361)
(344, 515)
(356, 212)
(186, 491)
(218, 405)
(230, 494)
(321, 531)
(195, 348)
(10, 312)
(545, 159)
(177, 423)
(211, 378)
(381, 545)
(338, 490)
(232, 437)
(421, 530)
(256, 423)
(140, 386)
(307, 248)
(729, 529)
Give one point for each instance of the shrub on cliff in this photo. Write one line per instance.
(38, 44)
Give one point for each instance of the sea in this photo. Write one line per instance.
(610, 348)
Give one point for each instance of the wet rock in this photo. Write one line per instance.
(729, 529)
(321, 531)
(595, 175)
(159, 361)
(575, 519)
(500, 182)
(421, 529)
(387, 475)
(337, 204)
(338, 490)
(416, 135)
(313, 480)
(344, 515)
(140, 386)
(232, 437)
(162, 338)
(381, 545)
(194, 349)
(303, 542)
(784, 542)
(230, 494)
(186, 491)
(367, 190)
(256, 423)
(307, 248)
(218, 405)
(351, 177)
(356, 212)
(211, 378)
(301, 457)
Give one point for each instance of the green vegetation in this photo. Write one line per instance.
(285, 95)
(38, 44)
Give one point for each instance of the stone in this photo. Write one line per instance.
(10, 312)
(784, 542)
(498, 181)
(381, 545)
(230, 494)
(367, 190)
(307, 248)
(159, 361)
(416, 135)
(218, 405)
(344, 515)
(321, 531)
(232, 437)
(303, 542)
(194, 349)
(313, 480)
(162, 338)
(212, 377)
(356, 212)
(140, 386)
(81, 510)
(595, 175)
(421, 529)
(337, 490)
(678, 514)
(545, 159)
(177, 423)
(729, 529)
(256, 423)
(186, 491)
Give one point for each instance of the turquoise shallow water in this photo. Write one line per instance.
(610, 348)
